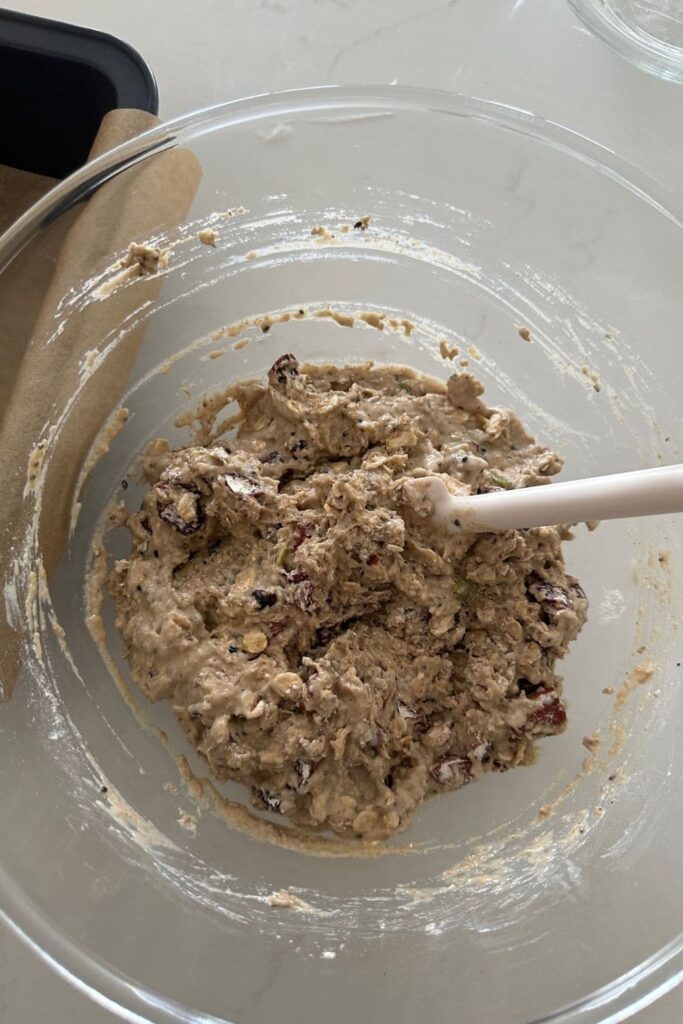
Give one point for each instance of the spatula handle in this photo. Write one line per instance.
(643, 492)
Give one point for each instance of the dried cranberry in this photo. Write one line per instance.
(302, 531)
(546, 593)
(297, 576)
(264, 598)
(372, 559)
(550, 715)
(452, 771)
(283, 370)
(241, 484)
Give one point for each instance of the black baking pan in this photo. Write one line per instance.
(57, 82)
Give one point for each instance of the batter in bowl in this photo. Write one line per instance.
(321, 641)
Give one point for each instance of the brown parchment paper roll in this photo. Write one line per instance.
(38, 379)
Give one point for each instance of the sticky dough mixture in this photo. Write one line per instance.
(320, 641)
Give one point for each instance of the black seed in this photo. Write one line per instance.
(124, 484)
(104, 789)
(264, 598)
(232, 649)
(156, 553)
(297, 446)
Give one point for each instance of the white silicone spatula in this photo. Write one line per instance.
(644, 492)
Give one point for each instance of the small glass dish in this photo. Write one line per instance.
(649, 33)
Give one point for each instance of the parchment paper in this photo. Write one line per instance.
(36, 380)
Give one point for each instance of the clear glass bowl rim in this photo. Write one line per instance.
(652, 54)
(110, 989)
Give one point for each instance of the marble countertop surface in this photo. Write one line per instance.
(532, 54)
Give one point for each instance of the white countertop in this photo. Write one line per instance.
(532, 54)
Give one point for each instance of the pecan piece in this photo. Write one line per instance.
(187, 517)
(550, 716)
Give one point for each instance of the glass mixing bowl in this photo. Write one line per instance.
(483, 220)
